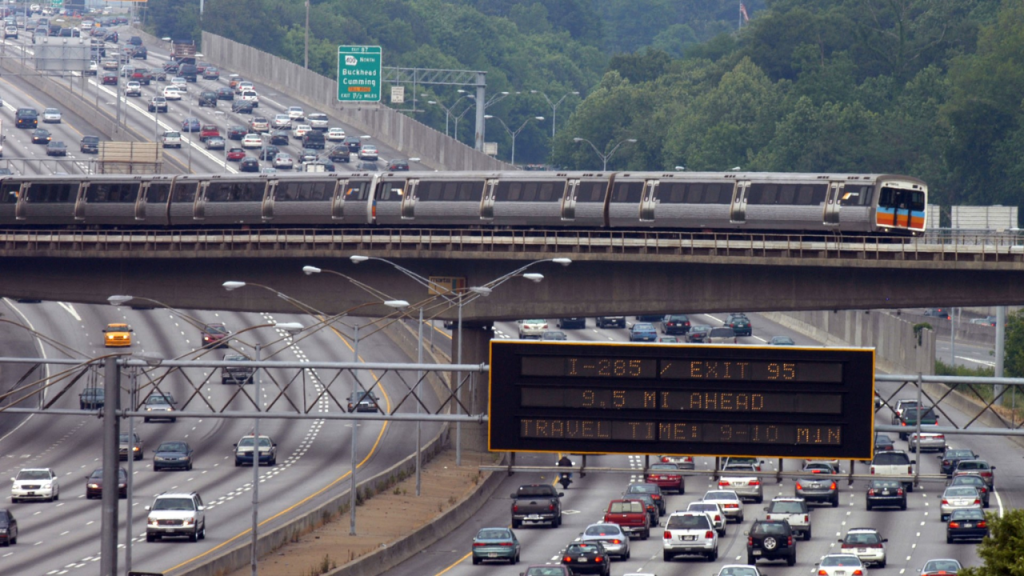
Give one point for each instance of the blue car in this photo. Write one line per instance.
(190, 125)
(643, 332)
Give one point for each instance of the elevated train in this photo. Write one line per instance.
(728, 201)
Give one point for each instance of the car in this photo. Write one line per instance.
(308, 155)
(284, 160)
(741, 325)
(937, 313)
(281, 121)
(252, 141)
(587, 558)
(267, 451)
(214, 335)
(742, 479)
(675, 324)
(866, 544)
(532, 328)
(319, 165)
(41, 136)
(211, 73)
(721, 335)
(11, 31)
(366, 166)
(133, 89)
(610, 536)
(140, 53)
(117, 334)
(958, 498)
(171, 67)
(252, 97)
(236, 374)
(698, 333)
(300, 130)
(901, 406)
(970, 524)
(191, 124)
(648, 488)
(35, 484)
(208, 131)
(318, 120)
(683, 462)
(669, 340)
(986, 321)
(941, 567)
(176, 514)
(976, 482)
(730, 502)
(268, 152)
(279, 137)
(207, 98)
(158, 104)
(885, 493)
(841, 565)
(981, 468)
(171, 138)
(817, 488)
(883, 442)
(689, 533)
(94, 68)
(666, 475)
(930, 440)
(171, 93)
(249, 164)
(354, 144)
(339, 154)
(169, 455)
(224, 93)
(180, 82)
(952, 456)
(8, 528)
(136, 446)
(771, 540)
(496, 544)
(56, 148)
(259, 124)
(241, 107)
(159, 405)
(335, 134)
(714, 513)
(236, 132)
(909, 419)
(242, 85)
(575, 323)
(51, 116)
(234, 80)
(642, 332)
(894, 463)
(94, 484)
(368, 152)
(296, 113)
(554, 335)
(91, 398)
(215, 143)
(781, 341)
(792, 511)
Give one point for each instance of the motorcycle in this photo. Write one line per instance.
(565, 478)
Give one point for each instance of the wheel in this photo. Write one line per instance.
(868, 506)
(949, 539)
(807, 535)
(903, 505)
(174, 419)
(740, 519)
(15, 500)
(516, 523)
(476, 560)
(273, 461)
(647, 534)
(56, 495)
(759, 500)
(149, 538)
(713, 556)
(682, 488)
(515, 559)
(985, 504)
(558, 522)
(629, 553)
(721, 533)
(835, 501)
(189, 466)
(791, 561)
(913, 448)
(194, 536)
(910, 487)
(751, 560)
(146, 419)
(666, 556)
(882, 563)
(237, 463)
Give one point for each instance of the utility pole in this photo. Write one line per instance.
(111, 465)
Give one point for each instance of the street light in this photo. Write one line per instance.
(604, 157)
(448, 111)
(515, 133)
(554, 106)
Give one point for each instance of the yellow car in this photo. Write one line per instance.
(117, 335)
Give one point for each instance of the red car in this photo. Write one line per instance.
(236, 154)
(110, 78)
(208, 131)
(214, 335)
(666, 476)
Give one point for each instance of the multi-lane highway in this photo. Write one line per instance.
(915, 535)
(64, 536)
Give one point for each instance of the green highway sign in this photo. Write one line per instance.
(359, 73)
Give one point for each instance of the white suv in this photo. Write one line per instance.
(176, 515)
(689, 533)
(171, 138)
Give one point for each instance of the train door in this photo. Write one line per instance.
(80, 201)
(830, 214)
(267, 207)
(199, 204)
(21, 208)
(409, 199)
(487, 201)
(649, 201)
(140, 201)
(569, 200)
(738, 210)
(338, 200)
(901, 208)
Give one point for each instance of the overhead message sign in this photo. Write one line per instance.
(359, 73)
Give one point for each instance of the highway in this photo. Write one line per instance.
(915, 535)
(64, 537)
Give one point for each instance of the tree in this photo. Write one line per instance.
(1001, 550)
(1013, 360)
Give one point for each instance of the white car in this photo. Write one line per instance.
(742, 479)
(841, 565)
(171, 93)
(11, 31)
(296, 113)
(281, 121)
(171, 138)
(94, 68)
(929, 440)
(35, 484)
(368, 152)
(689, 533)
(739, 570)
(243, 86)
(866, 544)
(941, 567)
(300, 130)
(730, 502)
(335, 134)
(51, 115)
(714, 512)
(283, 160)
(318, 120)
(250, 96)
(180, 83)
(133, 89)
(532, 328)
(252, 141)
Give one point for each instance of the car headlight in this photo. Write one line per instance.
(135, 448)
(149, 409)
(189, 521)
(94, 485)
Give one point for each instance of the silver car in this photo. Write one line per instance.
(611, 537)
(930, 440)
(742, 479)
(866, 544)
(730, 502)
(959, 498)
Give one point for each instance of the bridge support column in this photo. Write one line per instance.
(476, 339)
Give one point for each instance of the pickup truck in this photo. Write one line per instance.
(897, 464)
(909, 419)
(792, 510)
(630, 515)
(536, 503)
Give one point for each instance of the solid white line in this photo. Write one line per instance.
(47, 366)
(998, 501)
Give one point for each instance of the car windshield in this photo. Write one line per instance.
(972, 465)
(863, 538)
(644, 327)
(173, 447)
(959, 454)
(545, 571)
(180, 504)
(123, 438)
(172, 135)
(702, 507)
(492, 534)
(626, 507)
(738, 571)
(840, 560)
(788, 507)
(215, 329)
(687, 522)
(97, 474)
(775, 528)
(967, 481)
(580, 549)
(891, 459)
(942, 565)
(642, 489)
(965, 491)
(158, 399)
(721, 495)
(603, 530)
(247, 441)
(33, 475)
(970, 514)
(885, 484)
(664, 467)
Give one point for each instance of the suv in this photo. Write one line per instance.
(117, 334)
(866, 544)
(236, 374)
(364, 402)
(794, 512)
(171, 138)
(771, 540)
(675, 324)
(741, 325)
(575, 323)
(313, 139)
(122, 441)
(157, 104)
(241, 107)
(909, 417)
(610, 321)
(176, 515)
(689, 533)
(895, 463)
(722, 335)
(27, 118)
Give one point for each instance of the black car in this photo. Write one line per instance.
(886, 493)
(974, 482)
(8, 527)
(398, 166)
(112, 37)
(771, 540)
(172, 455)
(268, 152)
(339, 153)
(307, 155)
(241, 107)
(587, 558)
(354, 144)
(950, 458)
(279, 137)
(91, 399)
(741, 326)
(135, 41)
(208, 98)
(675, 324)
(237, 132)
(56, 148)
(41, 136)
(610, 321)
(698, 333)
(966, 524)
(884, 442)
(575, 323)
(249, 164)
(94, 484)
(90, 144)
(225, 93)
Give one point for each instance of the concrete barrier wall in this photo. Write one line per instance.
(897, 349)
(974, 333)
(385, 124)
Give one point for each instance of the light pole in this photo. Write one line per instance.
(448, 111)
(190, 132)
(152, 360)
(604, 157)
(459, 117)
(306, 60)
(515, 133)
(554, 106)
(481, 108)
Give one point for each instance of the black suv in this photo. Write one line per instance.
(675, 324)
(27, 118)
(208, 98)
(741, 325)
(771, 540)
(90, 144)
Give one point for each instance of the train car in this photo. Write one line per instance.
(42, 200)
(548, 199)
(435, 198)
(674, 200)
(319, 199)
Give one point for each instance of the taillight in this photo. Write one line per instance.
(723, 483)
(789, 540)
(845, 545)
(899, 492)
(940, 436)
(954, 524)
(504, 544)
(754, 483)
(718, 518)
(656, 496)
(664, 458)
(732, 505)
(858, 573)
(982, 524)
(910, 469)
(478, 544)
(798, 486)
(616, 541)
(807, 518)
(551, 507)
(822, 573)
(833, 487)
(750, 541)
(709, 534)
(515, 507)
(976, 501)
(667, 535)
(986, 474)
(872, 469)
(945, 502)
(598, 559)
(567, 559)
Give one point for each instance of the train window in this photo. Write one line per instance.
(811, 195)
(671, 193)
(592, 192)
(434, 190)
(391, 191)
(53, 193)
(713, 195)
(471, 191)
(451, 190)
(547, 189)
(885, 198)
(111, 192)
(695, 194)
(357, 190)
(184, 192)
(296, 191)
(158, 192)
(855, 196)
(227, 191)
(917, 201)
(9, 192)
(529, 192)
(787, 194)
(628, 192)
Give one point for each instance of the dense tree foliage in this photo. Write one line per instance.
(1000, 552)
(930, 88)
